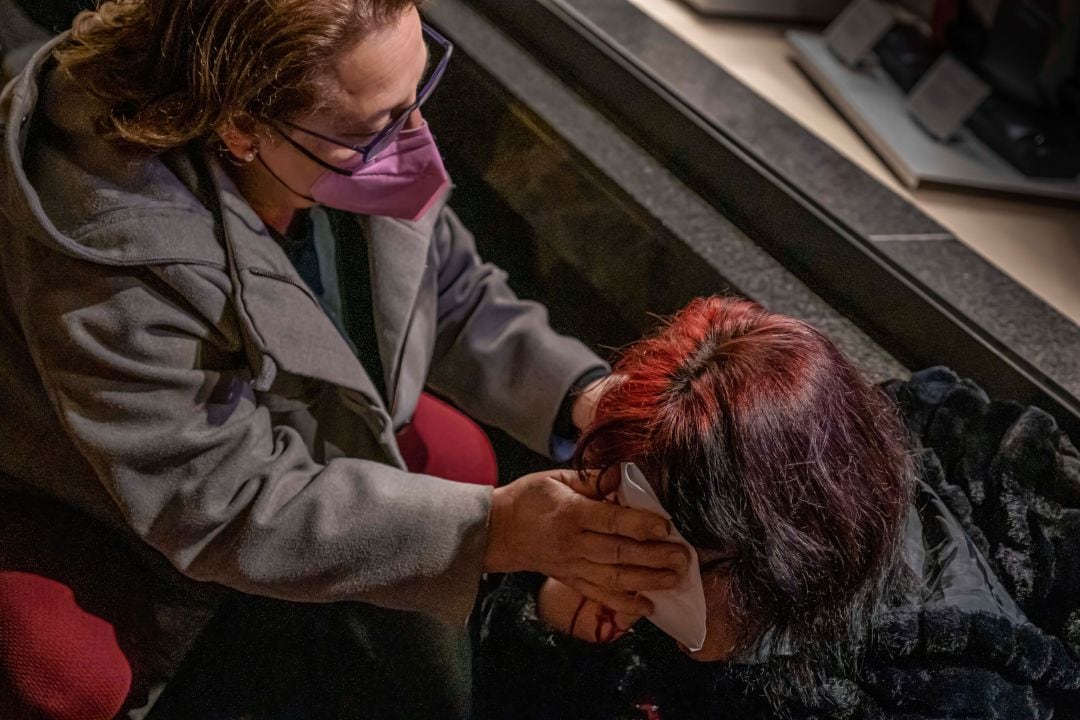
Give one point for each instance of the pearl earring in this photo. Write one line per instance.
(250, 155)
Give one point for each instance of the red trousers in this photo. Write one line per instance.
(60, 654)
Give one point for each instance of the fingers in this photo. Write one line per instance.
(611, 519)
(616, 550)
(586, 482)
(627, 578)
(628, 605)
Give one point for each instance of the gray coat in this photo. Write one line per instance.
(166, 370)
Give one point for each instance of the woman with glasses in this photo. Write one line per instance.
(229, 273)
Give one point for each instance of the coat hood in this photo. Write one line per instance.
(71, 189)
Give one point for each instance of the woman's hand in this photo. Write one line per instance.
(571, 613)
(544, 523)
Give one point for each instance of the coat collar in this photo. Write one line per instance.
(399, 253)
(183, 207)
(290, 326)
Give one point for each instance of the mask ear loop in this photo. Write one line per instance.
(313, 157)
(306, 153)
(285, 184)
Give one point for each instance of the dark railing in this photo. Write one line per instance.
(904, 316)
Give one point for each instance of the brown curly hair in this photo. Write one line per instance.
(173, 71)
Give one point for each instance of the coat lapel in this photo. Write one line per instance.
(399, 253)
(282, 318)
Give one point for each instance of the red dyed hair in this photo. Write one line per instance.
(759, 434)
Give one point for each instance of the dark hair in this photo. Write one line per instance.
(759, 434)
(172, 71)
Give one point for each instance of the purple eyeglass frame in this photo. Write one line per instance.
(385, 136)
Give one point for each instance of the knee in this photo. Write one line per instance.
(58, 661)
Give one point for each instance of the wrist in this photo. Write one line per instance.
(572, 417)
(497, 556)
(584, 406)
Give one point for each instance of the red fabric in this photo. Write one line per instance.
(57, 660)
(442, 441)
(60, 662)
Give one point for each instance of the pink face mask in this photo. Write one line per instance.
(403, 181)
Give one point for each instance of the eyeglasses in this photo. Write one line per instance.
(386, 136)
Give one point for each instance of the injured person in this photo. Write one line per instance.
(832, 578)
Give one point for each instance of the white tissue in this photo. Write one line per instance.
(680, 612)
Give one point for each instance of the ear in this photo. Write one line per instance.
(238, 136)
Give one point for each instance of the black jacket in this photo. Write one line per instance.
(999, 497)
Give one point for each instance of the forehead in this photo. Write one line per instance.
(379, 73)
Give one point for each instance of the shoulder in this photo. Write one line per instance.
(57, 293)
(105, 202)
